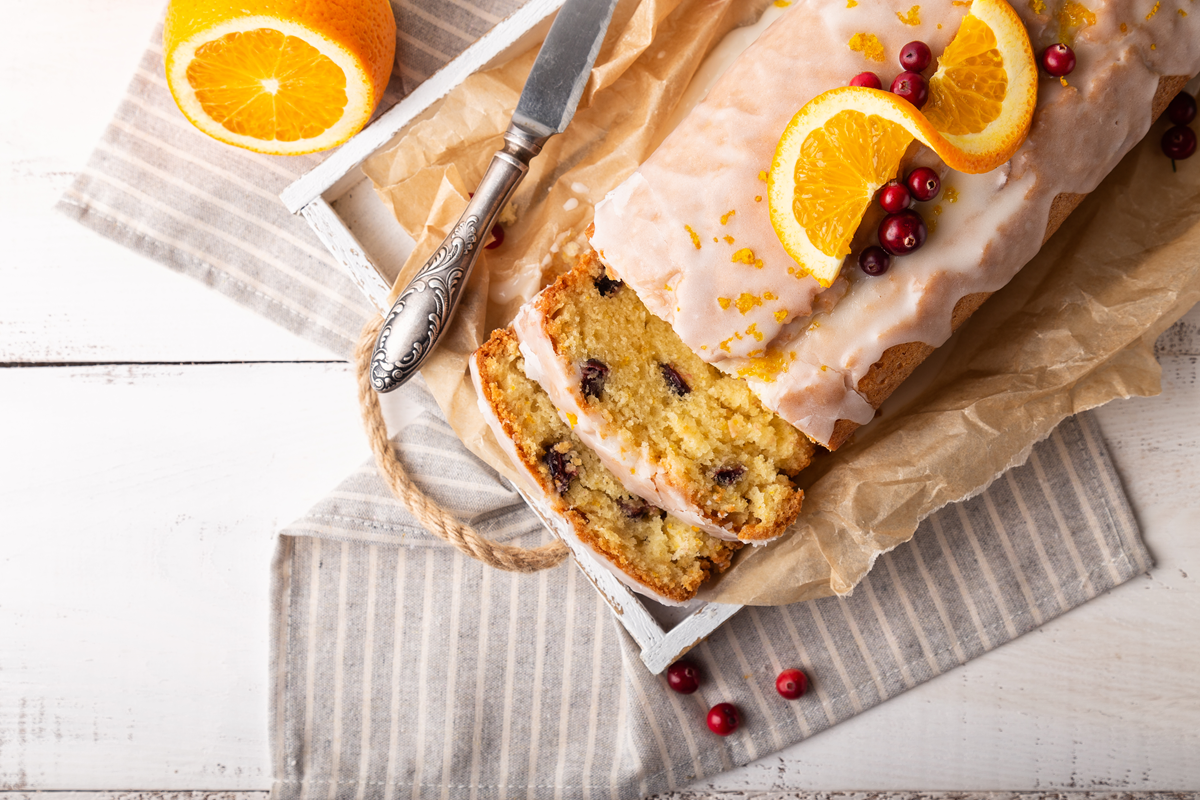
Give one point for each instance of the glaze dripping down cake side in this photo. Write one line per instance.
(690, 230)
(649, 550)
(675, 430)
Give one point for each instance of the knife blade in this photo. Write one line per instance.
(548, 102)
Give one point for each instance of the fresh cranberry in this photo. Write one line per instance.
(1058, 60)
(894, 196)
(874, 260)
(1182, 109)
(497, 238)
(912, 87)
(902, 233)
(923, 183)
(723, 719)
(915, 56)
(868, 79)
(791, 683)
(683, 677)
(1179, 143)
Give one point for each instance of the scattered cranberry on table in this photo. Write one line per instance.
(723, 719)
(912, 87)
(1179, 143)
(923, 183)
(1058, 60)
(867, 79)
(874, 260)
(1182, 109)
(894, 196)
(902, 233)
(791, 683)
(683, 677)
(915, 56)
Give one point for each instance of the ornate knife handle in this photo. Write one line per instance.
(424, 309)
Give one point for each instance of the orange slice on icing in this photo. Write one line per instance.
(842, 146)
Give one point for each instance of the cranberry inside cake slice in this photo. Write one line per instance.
(651, 551)
(677, 431)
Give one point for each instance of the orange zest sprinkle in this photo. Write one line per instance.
(695, 236)
(868, 44)
(747, 301)
(724, 303)
(1154, 10)
(911, 17)
(725, 217)
(781, 315)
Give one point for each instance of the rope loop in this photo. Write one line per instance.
(433, 517)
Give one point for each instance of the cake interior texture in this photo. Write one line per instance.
(668, 556)
(711, 436)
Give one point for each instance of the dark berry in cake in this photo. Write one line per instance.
(728, 476)
(675, 381)
(593, 373)
(562, 468)
(637, 508)
(606, 285)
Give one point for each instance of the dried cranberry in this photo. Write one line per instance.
(1182, 109)
(562, 469)
(791, 683)
(637, 508)
(894, 196)
(723, 719)
(1058, 60)
(683, 677)
(606, 285)
(915, 56)
(594, 373)
(675, 381)
(901, 234)
(1179, 142)
(728, 476)
(867, 79)
(912, 87)
(874, 260)
(924, 183)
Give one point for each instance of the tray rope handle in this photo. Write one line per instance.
(433, 517)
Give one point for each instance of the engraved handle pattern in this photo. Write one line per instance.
(424, 309)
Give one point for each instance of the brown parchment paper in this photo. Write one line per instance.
(1075, 329)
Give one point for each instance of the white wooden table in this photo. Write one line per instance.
(146, 459)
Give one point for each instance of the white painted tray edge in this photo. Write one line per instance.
(312, 195)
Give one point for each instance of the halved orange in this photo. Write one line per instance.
(843, 145)
(279, 76)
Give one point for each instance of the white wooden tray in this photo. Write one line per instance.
(340, 204)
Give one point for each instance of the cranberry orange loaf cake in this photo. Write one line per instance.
(692, 232)
(675, 430)
(648, 550)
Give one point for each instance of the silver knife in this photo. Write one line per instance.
(423, 310)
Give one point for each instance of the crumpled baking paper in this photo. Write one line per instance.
(1075, 328)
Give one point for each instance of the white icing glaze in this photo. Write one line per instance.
(710, 165)
(629, 462)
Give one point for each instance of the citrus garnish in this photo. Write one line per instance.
(843, 145)
(279, 76)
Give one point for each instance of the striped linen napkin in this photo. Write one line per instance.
(402, 666)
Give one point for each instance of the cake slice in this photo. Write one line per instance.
(647, 549)
(676, 431)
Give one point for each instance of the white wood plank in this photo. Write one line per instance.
(139, 506)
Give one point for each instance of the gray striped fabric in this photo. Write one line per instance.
(405, 669)
(162, 188)
(400, 666)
